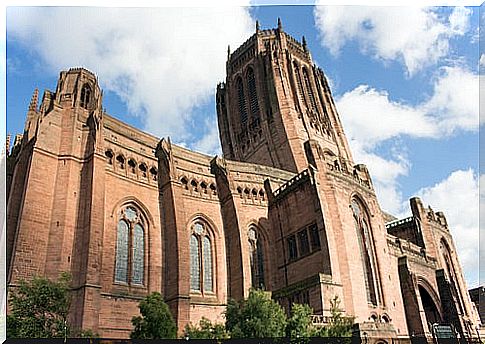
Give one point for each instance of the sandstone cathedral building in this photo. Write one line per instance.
(285, 209)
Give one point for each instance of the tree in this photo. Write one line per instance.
(256, 317)
(206, 330)
(339, 326)
(39, 308)
(300, 323)
(155, 322)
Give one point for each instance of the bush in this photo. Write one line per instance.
(155, 322)
(256, 317)
(39, 308)
(206, 330)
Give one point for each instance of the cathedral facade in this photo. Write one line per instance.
(286, 209)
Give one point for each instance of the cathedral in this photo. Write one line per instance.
(285, 209)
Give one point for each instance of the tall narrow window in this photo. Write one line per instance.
(256, 259)
(121, 273)
(85, 96)
(201, 262)
(194, 263)
(314, 237)
(292, 251)
(243, 113)
(303, 242)
(207, 254)
(299, 84)
(253, 95)
(138, 255)
(309, 89)
(366, 245)
(130, 246)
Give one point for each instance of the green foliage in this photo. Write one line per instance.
(300, 323)
(339, 326)
(155, 322)
(85, 334)
(39, 308)
(206, 330)
(256, 317)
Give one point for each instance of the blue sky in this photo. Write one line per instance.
(405, 80)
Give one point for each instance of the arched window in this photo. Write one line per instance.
(143, 170)
(132, 165)
(298, 83)
(253, 95)
(256, 259)
(85, 96)
(361, 220)
(201, 262)
(153, 173)
(309, 89)
(121, 162)
(243, 113)
(451, 273)
(130, 246)
(109, 156)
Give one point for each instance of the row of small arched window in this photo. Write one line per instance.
(195, 186)
(120, 162)
(251, 194)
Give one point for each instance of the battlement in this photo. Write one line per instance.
(292, 184)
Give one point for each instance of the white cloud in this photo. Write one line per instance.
(458, 197)
(162, 62)
(209, 143)
(416, 36)
(370, 117)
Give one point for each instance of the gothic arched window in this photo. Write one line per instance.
(361, 220)
(451, 273)
(85, 96)
(130, 246)
(253, 95)
(309, 89)
(243, 113)
(299, 84)
(201, 262)
(256, 258)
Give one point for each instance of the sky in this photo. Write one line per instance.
(405, 81)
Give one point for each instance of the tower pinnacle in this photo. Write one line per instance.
(280, 27)
(34, 100)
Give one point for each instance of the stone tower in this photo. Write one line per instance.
(56, 207)
(273, 101)
(275, 108)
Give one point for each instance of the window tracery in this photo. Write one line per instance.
(85, 96)
(361, 221)
(201, 260)
(253, 95)
(130, 246)
(256, 258)
(243, 113)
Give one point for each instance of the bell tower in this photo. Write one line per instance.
(274, 100)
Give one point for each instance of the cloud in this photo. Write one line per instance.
(370, 117)
(162, 62)
(458, 197)
(417, 37)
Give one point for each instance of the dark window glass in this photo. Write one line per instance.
(242, 101)
(292, 251)
(194, 263)
(253, 96)
(207, 254)
(85, 96)
(138, 256)
(314, 237)
(303, 242)
(121, 269)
